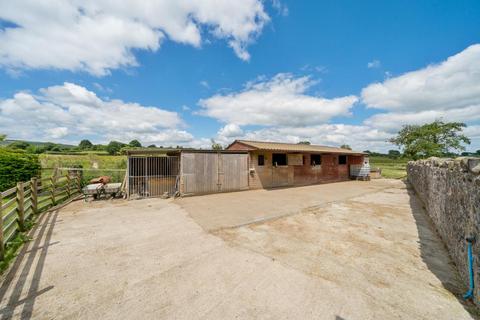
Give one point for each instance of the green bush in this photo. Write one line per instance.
(17, 166)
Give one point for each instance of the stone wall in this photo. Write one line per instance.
(450, 191)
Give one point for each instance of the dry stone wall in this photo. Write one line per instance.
(450, 190)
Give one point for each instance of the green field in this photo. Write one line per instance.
(391, 168)
(93, 165)
(87, 161)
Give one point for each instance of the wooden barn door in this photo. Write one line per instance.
(280, 177)
(199, 173)
(213, 172)
(233, 172)
(330, 166)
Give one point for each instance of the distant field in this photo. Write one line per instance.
(391, 168)
(87, 161)
(94, 165)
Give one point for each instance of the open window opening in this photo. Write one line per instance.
(261, 160)
(315, 160)
(279, 159)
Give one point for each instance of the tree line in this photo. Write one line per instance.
(112, 148)
(439, 139)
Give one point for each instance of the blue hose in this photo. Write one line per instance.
(469, 294)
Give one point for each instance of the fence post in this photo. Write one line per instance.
(68, 186)
(20, 206)
(2, 245)
(34, 195)
(53, 182)
(79, 183)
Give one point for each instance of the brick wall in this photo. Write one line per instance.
(296, 175)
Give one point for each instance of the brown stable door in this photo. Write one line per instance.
(330, 166)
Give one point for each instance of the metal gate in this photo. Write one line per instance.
(150, 176)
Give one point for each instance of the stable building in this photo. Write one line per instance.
(162, 172)
(243, 165)
(274, 164)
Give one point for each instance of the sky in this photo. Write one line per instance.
(179, 72)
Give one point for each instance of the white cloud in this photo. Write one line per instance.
(70, 112)
(281, 8)
(309, 68)
(285, 112)
(99, 35)
(230, 130)
(374, 64)
(360, 137)
(393, 121)
(281, 100)
(205, 84)
(452, 84)
(449, 91)
(473, 132)
(56, 133)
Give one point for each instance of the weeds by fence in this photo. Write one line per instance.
(21, 204)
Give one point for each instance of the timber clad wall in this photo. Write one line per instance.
(203, 173)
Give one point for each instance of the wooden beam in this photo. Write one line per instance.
(20, 206)
(2, 245)
(34, 194)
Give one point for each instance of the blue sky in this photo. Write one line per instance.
(285, 71)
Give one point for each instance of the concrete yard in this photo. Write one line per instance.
(349, 250)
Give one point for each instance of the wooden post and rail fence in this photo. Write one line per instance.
(26, 200)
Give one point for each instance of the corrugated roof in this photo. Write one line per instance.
(293, 147)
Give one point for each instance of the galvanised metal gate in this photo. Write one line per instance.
(153, 176)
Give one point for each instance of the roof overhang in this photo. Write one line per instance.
(294, 148)
(169, 151)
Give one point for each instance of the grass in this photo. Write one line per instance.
(391, 168)
(13, 246)
(87, 161)
(94, 165)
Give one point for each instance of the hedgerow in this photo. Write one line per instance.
(17, 166)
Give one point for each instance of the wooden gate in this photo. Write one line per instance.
(207, 172)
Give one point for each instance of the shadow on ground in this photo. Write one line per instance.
(440, 265)
(30, 261)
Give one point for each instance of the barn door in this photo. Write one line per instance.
(199, 173)
(233, 172)
(330, 166)
(280, 170)
(213, 172)
(280, 176)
